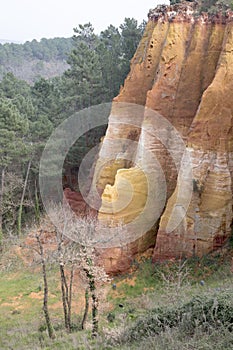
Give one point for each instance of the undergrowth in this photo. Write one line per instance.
(202, 312)
(184, 304)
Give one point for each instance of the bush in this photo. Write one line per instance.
(213, 7)
(203, 312)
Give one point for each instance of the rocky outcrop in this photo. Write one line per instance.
(166, 161)
(208, 221)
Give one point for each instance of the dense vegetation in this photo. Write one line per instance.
(98, 65)
(31, 60)
(212, 7)
(215, 6)
(48, 57)
(45, 50)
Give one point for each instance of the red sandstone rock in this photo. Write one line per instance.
(77, 203)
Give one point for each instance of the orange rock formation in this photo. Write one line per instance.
(183, 71)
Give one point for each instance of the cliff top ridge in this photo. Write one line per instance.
(192, 11)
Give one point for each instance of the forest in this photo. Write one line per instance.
(97, 66)
(32, 60)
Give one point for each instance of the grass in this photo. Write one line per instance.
(132, 298)
(173, 339)
(21, 307)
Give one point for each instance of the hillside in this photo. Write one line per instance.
(28, 61)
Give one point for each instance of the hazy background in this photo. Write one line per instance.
(22, 20)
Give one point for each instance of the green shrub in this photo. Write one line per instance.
(204, 312)
(208, 312)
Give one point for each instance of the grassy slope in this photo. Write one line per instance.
(22, 321)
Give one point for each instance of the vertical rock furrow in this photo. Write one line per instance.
(177, 96)
(207, 223)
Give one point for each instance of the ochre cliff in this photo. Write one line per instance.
(181, 90)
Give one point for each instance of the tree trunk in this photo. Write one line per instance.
(64, 296)
(70, 295)
(65, 288)
(95, 304)
(86, 308)
(37, 206)
(19, 223)
(1, 198)
(92, 286)
(45, 302)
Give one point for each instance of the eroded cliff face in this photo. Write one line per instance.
(181, 87)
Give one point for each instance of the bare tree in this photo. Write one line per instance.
(80, 253)
(66, 257)
(94, 275)
(45, 247)
(37, 204)
(20, 212)
(46, 290)
(176, 276)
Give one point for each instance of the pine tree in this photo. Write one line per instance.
(110, 53)
(131, 34)
(85, 79)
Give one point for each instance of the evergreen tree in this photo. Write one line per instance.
(85, 33)
(85, 79)
(110, 53)
(131, 34)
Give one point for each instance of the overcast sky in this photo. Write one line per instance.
(23, 20)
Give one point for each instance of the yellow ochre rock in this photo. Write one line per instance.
(126, 199)
(170, 138)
